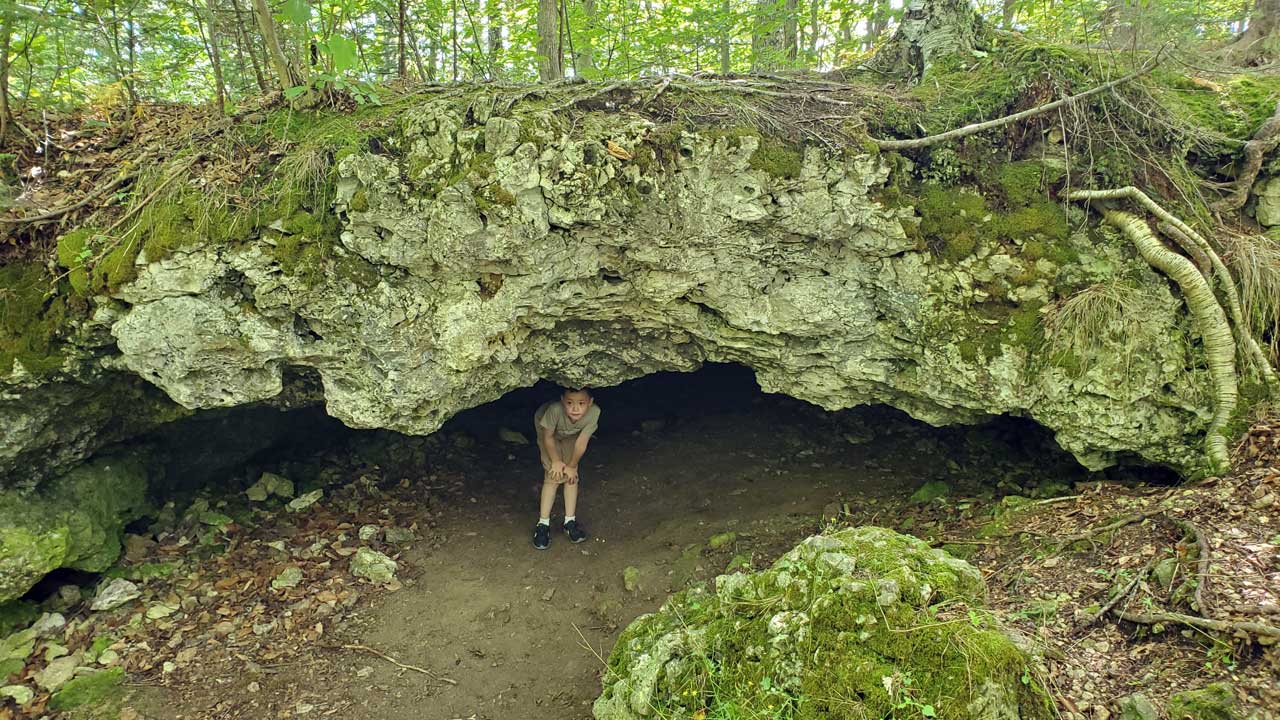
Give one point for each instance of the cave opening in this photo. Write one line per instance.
(690, 475)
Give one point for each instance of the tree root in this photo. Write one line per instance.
(1266, 139)
(1126, 520)
(1248, 346)
(59, 212)
(1246, 628)
(1202, 561)
(397, 663)
(975, 128)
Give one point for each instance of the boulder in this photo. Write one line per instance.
(842, 626)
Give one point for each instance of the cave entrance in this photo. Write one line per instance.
(690, 475)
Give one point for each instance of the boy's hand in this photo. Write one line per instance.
(558, 469)
(571, 474)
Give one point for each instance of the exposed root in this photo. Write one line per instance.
(1266, 139)
(1109, 527)
(1202, 561)
(1267, 634)
(1249, 347)
(975, 128)
(59, 212)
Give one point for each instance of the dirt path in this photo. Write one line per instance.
(503, 619)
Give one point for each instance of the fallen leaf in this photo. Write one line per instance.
(616, 150)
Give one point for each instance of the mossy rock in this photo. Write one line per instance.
(75, 522)
(1211, 702)
(845, 625)
(99, 690)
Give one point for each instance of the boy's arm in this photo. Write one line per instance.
(579, 449)
(546, 436)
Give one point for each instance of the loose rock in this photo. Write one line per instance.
(373, 566)
(114, 594)
(305, 501)
(21, 694)
(288, 578)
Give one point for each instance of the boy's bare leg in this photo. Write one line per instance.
(570, 499)
(549, 498)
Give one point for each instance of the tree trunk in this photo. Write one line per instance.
(549, 67)
(1006, 14)
(877, 23)
(215, 57)
(767, 45)
(246, 44)
(6, 33)
(790, 30)
(1261, 37)
(815, 9)
(586, 41)
(401, 59)
(287, 75)
(493, 12)
(931, 30)
(726, 32)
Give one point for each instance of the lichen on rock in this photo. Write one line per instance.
(863, 622)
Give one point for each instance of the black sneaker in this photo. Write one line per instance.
(541, 536)
(576, 534)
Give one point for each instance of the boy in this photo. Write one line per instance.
(564, 428)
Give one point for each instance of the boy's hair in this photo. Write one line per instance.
(584, 390)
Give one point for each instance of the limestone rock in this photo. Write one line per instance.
(114, 594)
(820, 623)
(302, 502)
(1137, 707)
(288, 578)
(930, 491)
(74, 521)
(48, 624)
(398, 536)
(57, 673)
(267, 485)
(1267, 211)
(512, 437)
(21, 694)
(373, 566)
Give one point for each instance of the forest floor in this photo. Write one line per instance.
(479, 625)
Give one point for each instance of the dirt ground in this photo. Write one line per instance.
(481, 626)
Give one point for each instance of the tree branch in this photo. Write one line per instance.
(975, 128)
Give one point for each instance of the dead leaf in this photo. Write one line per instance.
(616, 150)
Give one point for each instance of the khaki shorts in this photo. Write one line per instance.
(565, 447)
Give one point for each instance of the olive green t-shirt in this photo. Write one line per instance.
(551, 415)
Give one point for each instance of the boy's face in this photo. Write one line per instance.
(575, 404)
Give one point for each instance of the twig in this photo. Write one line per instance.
(58, 212)
(975, 128)
(397, 663)
(1126, 520)
(1229, 626)
(1120, 596)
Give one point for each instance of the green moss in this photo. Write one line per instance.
(777, 158)
(33, 319)
(1234, 107)
(359, 201)
(951, 220)
(1211, 702)
(16, 614)
(840, 627)
(100, 690)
